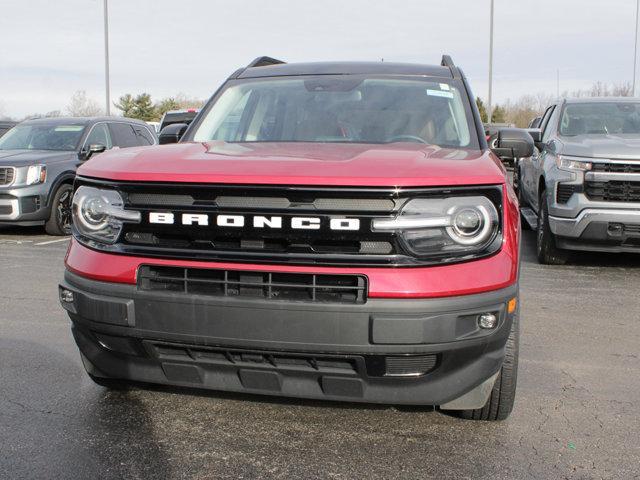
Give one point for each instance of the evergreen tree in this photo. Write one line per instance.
(481, 109)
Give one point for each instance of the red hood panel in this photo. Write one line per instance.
(389, 165)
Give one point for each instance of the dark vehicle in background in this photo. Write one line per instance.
(581, 188)
(178, 116)
(39, 158)
(5, 126)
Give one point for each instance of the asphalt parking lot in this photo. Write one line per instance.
(576, 414)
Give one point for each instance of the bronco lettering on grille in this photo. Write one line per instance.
(257, 221)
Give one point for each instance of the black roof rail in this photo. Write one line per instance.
(264, 62)
(448, 62)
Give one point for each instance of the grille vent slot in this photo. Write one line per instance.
(565, 191)
(7, 175)
(410, 365)
(267, 285)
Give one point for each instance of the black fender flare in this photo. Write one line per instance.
(64, 177)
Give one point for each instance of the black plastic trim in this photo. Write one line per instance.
(399, 257)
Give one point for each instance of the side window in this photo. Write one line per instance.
(545, 121)
(99, 135)
(143, 135)
(123, 135)
(551, 126)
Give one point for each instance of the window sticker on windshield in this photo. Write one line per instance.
(439, 93)
(444, 86)
(69, 128)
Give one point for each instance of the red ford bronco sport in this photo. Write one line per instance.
(336, 231)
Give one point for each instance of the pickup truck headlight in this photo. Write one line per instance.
(452, 226)
(573, 164)
(36, 174)
(99, 214)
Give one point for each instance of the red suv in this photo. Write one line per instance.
(336, 231)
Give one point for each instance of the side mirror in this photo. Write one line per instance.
(87, 152)
(536, 134)
(514, 143)
(172, 133)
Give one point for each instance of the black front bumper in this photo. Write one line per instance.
(402, 351)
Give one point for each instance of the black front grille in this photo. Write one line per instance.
(410, 365)
(631, 228)
(616, 167)
(323, 364)
(266, 285)
(564, 193)
(613, 191)
(284, 243)
(7, 175)
(361, 365)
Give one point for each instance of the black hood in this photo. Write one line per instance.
(20, 158)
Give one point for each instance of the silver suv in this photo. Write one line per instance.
(581, 188)
(39, 158)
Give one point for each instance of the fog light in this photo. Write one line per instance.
(487, 320)
(66, 295)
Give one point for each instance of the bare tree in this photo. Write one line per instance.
(183, 101)
(624, 89)
(82, 106)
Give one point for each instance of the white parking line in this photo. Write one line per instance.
(14, 242)
(52, 241)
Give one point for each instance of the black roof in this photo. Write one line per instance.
(345, 68)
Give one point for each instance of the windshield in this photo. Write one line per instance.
(348, 109)
(600, 118)
(42, 137)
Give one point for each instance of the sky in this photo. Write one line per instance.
(52, 48)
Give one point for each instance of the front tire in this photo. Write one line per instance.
(59, 222)
(548, 252)
(502, 397)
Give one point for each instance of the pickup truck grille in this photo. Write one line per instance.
(616, 167)
(7, 175)
(267, 285)
(340, 218)
(613, 191)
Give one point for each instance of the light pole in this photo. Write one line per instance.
(106, 58)
(635, 52)
(489, 106)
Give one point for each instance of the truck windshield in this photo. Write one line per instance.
(42, 137)
(348, 109)
(600, 118)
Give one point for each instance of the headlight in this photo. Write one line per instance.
(453, 226)
(36, 174)
(573, 164)
(99, 214)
